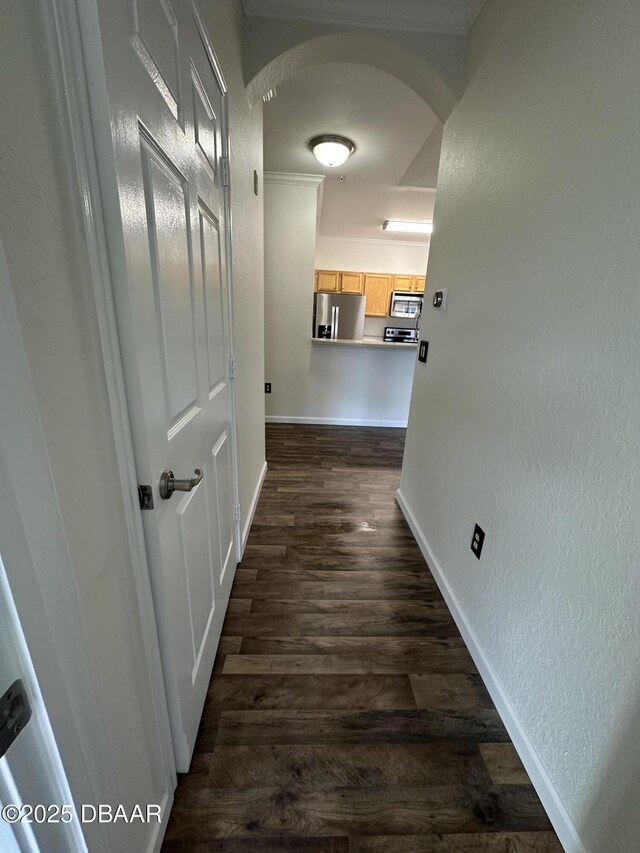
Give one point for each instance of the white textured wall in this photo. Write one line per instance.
(402, 258)
(317, 382)
(223, 20)
(530, 395)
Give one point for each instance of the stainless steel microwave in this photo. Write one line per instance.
(405, 304)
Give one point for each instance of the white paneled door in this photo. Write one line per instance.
(167, 126)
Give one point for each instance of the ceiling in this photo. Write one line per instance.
(392, 173)
(453, 17)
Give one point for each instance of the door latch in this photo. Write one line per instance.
(145, 496)
(15, 713)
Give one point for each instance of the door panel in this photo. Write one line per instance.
(214, 296)
(193, 515)
(205, 124)
(222, 467)
(169, 254)
(155, 39)
(173, 316)
(211, 96)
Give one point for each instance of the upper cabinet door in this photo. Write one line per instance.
(328, 280)
(418, 283)
(403, 282)
(352, 282)
(377, 289)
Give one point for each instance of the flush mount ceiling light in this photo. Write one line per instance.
(408, 227)
(331, 150)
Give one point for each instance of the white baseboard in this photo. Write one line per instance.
(252, 509)
(157, 834)
(558, 815)
(292, 419)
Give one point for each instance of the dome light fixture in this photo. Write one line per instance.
(331, 150)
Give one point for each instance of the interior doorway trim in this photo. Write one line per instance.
(74, 26)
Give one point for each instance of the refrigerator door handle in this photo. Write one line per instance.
(337, 322)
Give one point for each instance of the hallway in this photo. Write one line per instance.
(345, 714)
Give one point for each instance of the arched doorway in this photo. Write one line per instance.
(382, 97)
(364, 49)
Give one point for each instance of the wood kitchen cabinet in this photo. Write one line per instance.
(403, 282)
(334, 281)
(412, 283)
(377, 289)
(351, 282)
(328, 280)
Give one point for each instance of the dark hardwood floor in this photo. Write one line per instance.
(345, 714)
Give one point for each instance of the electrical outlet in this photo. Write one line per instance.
(422, 352)
(267, 387)
(477, 541)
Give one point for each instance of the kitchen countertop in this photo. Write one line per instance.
(376, 343)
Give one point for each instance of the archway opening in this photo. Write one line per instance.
(316, 272)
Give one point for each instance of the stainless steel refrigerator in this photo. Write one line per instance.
(338, 315)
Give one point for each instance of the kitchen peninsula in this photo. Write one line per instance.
(376, 343)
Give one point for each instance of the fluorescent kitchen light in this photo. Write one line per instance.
(408, 227)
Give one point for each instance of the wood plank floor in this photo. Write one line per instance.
(345, 714)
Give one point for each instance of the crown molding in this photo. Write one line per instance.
(325, 239)
(299, 180)
(319, 207)
(442, 17)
